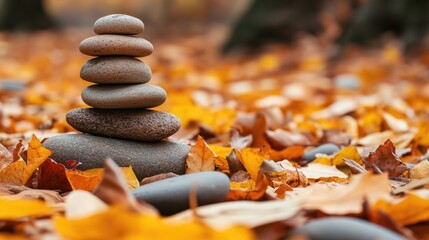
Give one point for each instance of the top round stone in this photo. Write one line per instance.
(118, 24)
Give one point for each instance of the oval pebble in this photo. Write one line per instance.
(124, 96)
(340, 228)
(146, 158)
(115, 70)
(118, 24)
(105, 45)
(327, 149)
(131, 124)
(172, 195)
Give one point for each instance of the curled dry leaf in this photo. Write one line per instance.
(246, 213)
(157, 177)
(239, 142)
(113, 190)
(341, 199)
(386, 160)
(5, 157)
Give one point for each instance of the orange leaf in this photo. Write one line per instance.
(19, 172)
(200, 158)
(249, 190)
(88, 180)
(411, 209)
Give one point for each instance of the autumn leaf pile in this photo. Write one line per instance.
(250, 117)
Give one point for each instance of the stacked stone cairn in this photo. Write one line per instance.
(120, 125)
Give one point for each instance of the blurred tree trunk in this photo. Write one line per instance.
(274, 21)
(407, 20)
(281, 20)
(24, 15)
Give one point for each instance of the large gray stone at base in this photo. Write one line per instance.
(171, 195)
(146, 158)
(340, 228)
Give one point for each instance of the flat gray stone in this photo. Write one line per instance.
(131, 124)
(118, 24)
(327, 148)
(124, 96)
(107, 45)
(146, 158)
(340, 228)
(115, 70)
(171, 195)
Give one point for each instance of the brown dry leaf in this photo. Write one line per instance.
(200, 157)
(48, 196)
(409, 210)
(157, 177)
(385, 159)
(280, 139)
(5, 157)
(53, 176)
(113, 190)
(249, 190)
(341, 199)
(239, 142)
(19, 172)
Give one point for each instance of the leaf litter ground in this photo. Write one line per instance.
(251, 118)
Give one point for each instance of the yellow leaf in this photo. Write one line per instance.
(14, 209)
(88, 180)
(220, 160)
(349, 152)
(252, 159)
(200, 157)
(20, 171)
(115, 223)
(410, 210)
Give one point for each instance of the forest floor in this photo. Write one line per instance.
(267, 109)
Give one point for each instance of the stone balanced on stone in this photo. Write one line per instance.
(120, 124)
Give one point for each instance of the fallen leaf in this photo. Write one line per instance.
(239, 142)
(15, 209)
(48, 196)
(157, 177)
(200, 158)
(409, 210)
(5, 157)
(280, 139)
(245, 213)
(292, 153)
(88, 180)
(113, 190)
(53, 176)
(341, 199)
(115, 223)
(252, 158)
(19, 172)
(420, 170)
(385, 159)
(317, 171)
(249, 190)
